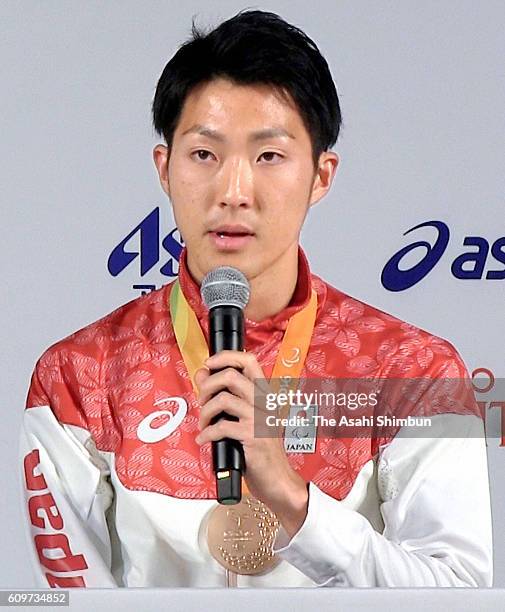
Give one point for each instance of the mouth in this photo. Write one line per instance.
(231, 238)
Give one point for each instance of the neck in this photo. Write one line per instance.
(272, 289)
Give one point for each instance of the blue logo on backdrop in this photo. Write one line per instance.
(149, 252)
(395, 279)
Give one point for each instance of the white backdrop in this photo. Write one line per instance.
(422, 91)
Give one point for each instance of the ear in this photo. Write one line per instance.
(160, 157)
(326, 169)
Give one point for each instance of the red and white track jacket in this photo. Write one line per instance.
(115, 497)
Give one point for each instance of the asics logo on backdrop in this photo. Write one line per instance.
(469, 265)
(147, 236)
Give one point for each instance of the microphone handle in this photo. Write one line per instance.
(227, 332)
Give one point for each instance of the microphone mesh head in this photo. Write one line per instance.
(225, 286)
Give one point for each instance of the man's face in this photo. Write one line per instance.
(240, 177)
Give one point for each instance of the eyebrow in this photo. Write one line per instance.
(273, 132)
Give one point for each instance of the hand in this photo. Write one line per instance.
(268, 474)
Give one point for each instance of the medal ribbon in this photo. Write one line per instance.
(290, 358)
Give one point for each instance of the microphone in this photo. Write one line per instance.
(225, 291)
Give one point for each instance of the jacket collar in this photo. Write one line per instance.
(279, 321)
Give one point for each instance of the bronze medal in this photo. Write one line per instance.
(241, 537)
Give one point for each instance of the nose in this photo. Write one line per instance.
(235, 183)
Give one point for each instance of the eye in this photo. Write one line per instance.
(202, 154)
(270, 156)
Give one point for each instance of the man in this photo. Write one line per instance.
(116, 437)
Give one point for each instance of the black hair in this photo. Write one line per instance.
(253, 47)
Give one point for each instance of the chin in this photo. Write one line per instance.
(241, 261)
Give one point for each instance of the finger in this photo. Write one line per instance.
(222, 429)
(236, 359)
(228, 379)
(224, 402)
(200, 377)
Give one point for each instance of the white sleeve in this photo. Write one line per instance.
(435, 505)
(66, 495)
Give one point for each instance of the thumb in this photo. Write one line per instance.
(200, 375)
